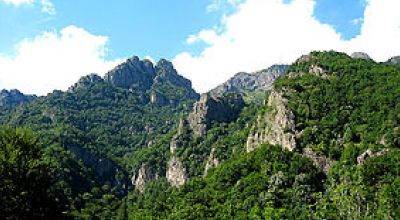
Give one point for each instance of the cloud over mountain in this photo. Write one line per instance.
(261, 33)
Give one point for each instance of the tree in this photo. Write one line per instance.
(26, 181)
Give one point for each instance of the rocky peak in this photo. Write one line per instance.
(132, 74)
(211, 109)
(394, 61)
(13, 98)
(360, 55)
(167, 73)
(86, 81)
(248, 82)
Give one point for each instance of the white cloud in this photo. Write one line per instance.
(264, 32)
(54, 61)
(46, 5)
(17, 2)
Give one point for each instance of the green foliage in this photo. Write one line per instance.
(358, 102)
(247, 186)
(27, 185)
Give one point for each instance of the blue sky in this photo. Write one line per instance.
(157, 28)
(203, 37)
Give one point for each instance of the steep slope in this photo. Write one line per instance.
(334, 121)
(95, 130)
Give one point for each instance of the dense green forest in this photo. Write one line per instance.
(89, 142)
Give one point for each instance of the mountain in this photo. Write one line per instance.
(98, 131)
(394, 61)
(329, 124)
(250, 82)
(140, 143)
(12, 98)
(360, 55)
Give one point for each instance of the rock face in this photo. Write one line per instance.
(159, 80)
(212, 161)
(13, 98)
(275, 127)
(209, 109)
(86, 81)
(394, 61)
(369, 153)
(360, 55)
(176, 173)
(144, 175)
(248, 82)
(132, 74)
(319, 161)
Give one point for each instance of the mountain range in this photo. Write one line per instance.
(316, 139)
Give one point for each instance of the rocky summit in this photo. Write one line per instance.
(361, 55)
(248, 82)
(13, 98)
(394, 61)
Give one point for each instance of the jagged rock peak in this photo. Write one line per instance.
(10, 98)
(167, 73)
(209, 109)
(133, 73)
(247, 82)
(360, 55)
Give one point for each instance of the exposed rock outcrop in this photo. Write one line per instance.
(132, 74)
(13, 98)
(135, 74)
(144, 175)
(177, 139)
(176, 173)
(394, 61)
(319, 161)
(360, 55)
(248, 82)
(369, 153)
(275, 126)
(212, 161)
(210, 109)
(86, 81)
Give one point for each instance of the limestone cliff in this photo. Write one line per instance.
(144, 175)
(211, 109)
(276, 126)
(176, 173)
